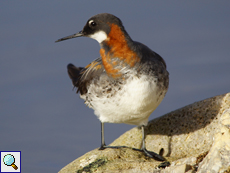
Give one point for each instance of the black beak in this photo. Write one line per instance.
(70, 36)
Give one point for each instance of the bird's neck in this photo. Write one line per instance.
(116, 52)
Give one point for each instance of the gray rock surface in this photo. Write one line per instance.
(195, 138)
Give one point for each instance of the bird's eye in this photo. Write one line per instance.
(92, 23)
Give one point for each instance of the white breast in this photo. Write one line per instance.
(133, 104)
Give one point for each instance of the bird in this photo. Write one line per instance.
(126, 83)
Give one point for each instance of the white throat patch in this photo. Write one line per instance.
(100, 36)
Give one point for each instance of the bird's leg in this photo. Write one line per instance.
(102, 137)
(143, 148)
(103, 145)
(149, 153)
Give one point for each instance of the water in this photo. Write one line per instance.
(40, 113)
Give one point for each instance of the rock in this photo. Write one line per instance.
(177, 169)
(195, 138)
(218, 158)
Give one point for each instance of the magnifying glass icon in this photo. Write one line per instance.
(9, 160)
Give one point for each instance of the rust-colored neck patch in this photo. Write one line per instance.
(109, 67)
(120, 53)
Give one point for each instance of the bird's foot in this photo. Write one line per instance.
(115, 147)
(150, 154)
(153, 155)
(102, 147)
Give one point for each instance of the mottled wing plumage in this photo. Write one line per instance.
(81, 77)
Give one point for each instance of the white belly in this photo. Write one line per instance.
(133, 104)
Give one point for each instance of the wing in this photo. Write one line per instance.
(81, 77)
(74, 73)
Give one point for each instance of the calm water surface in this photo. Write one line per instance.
(40, 113)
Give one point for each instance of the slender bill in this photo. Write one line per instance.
(70, 36)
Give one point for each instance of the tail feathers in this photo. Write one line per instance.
(74, 73)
